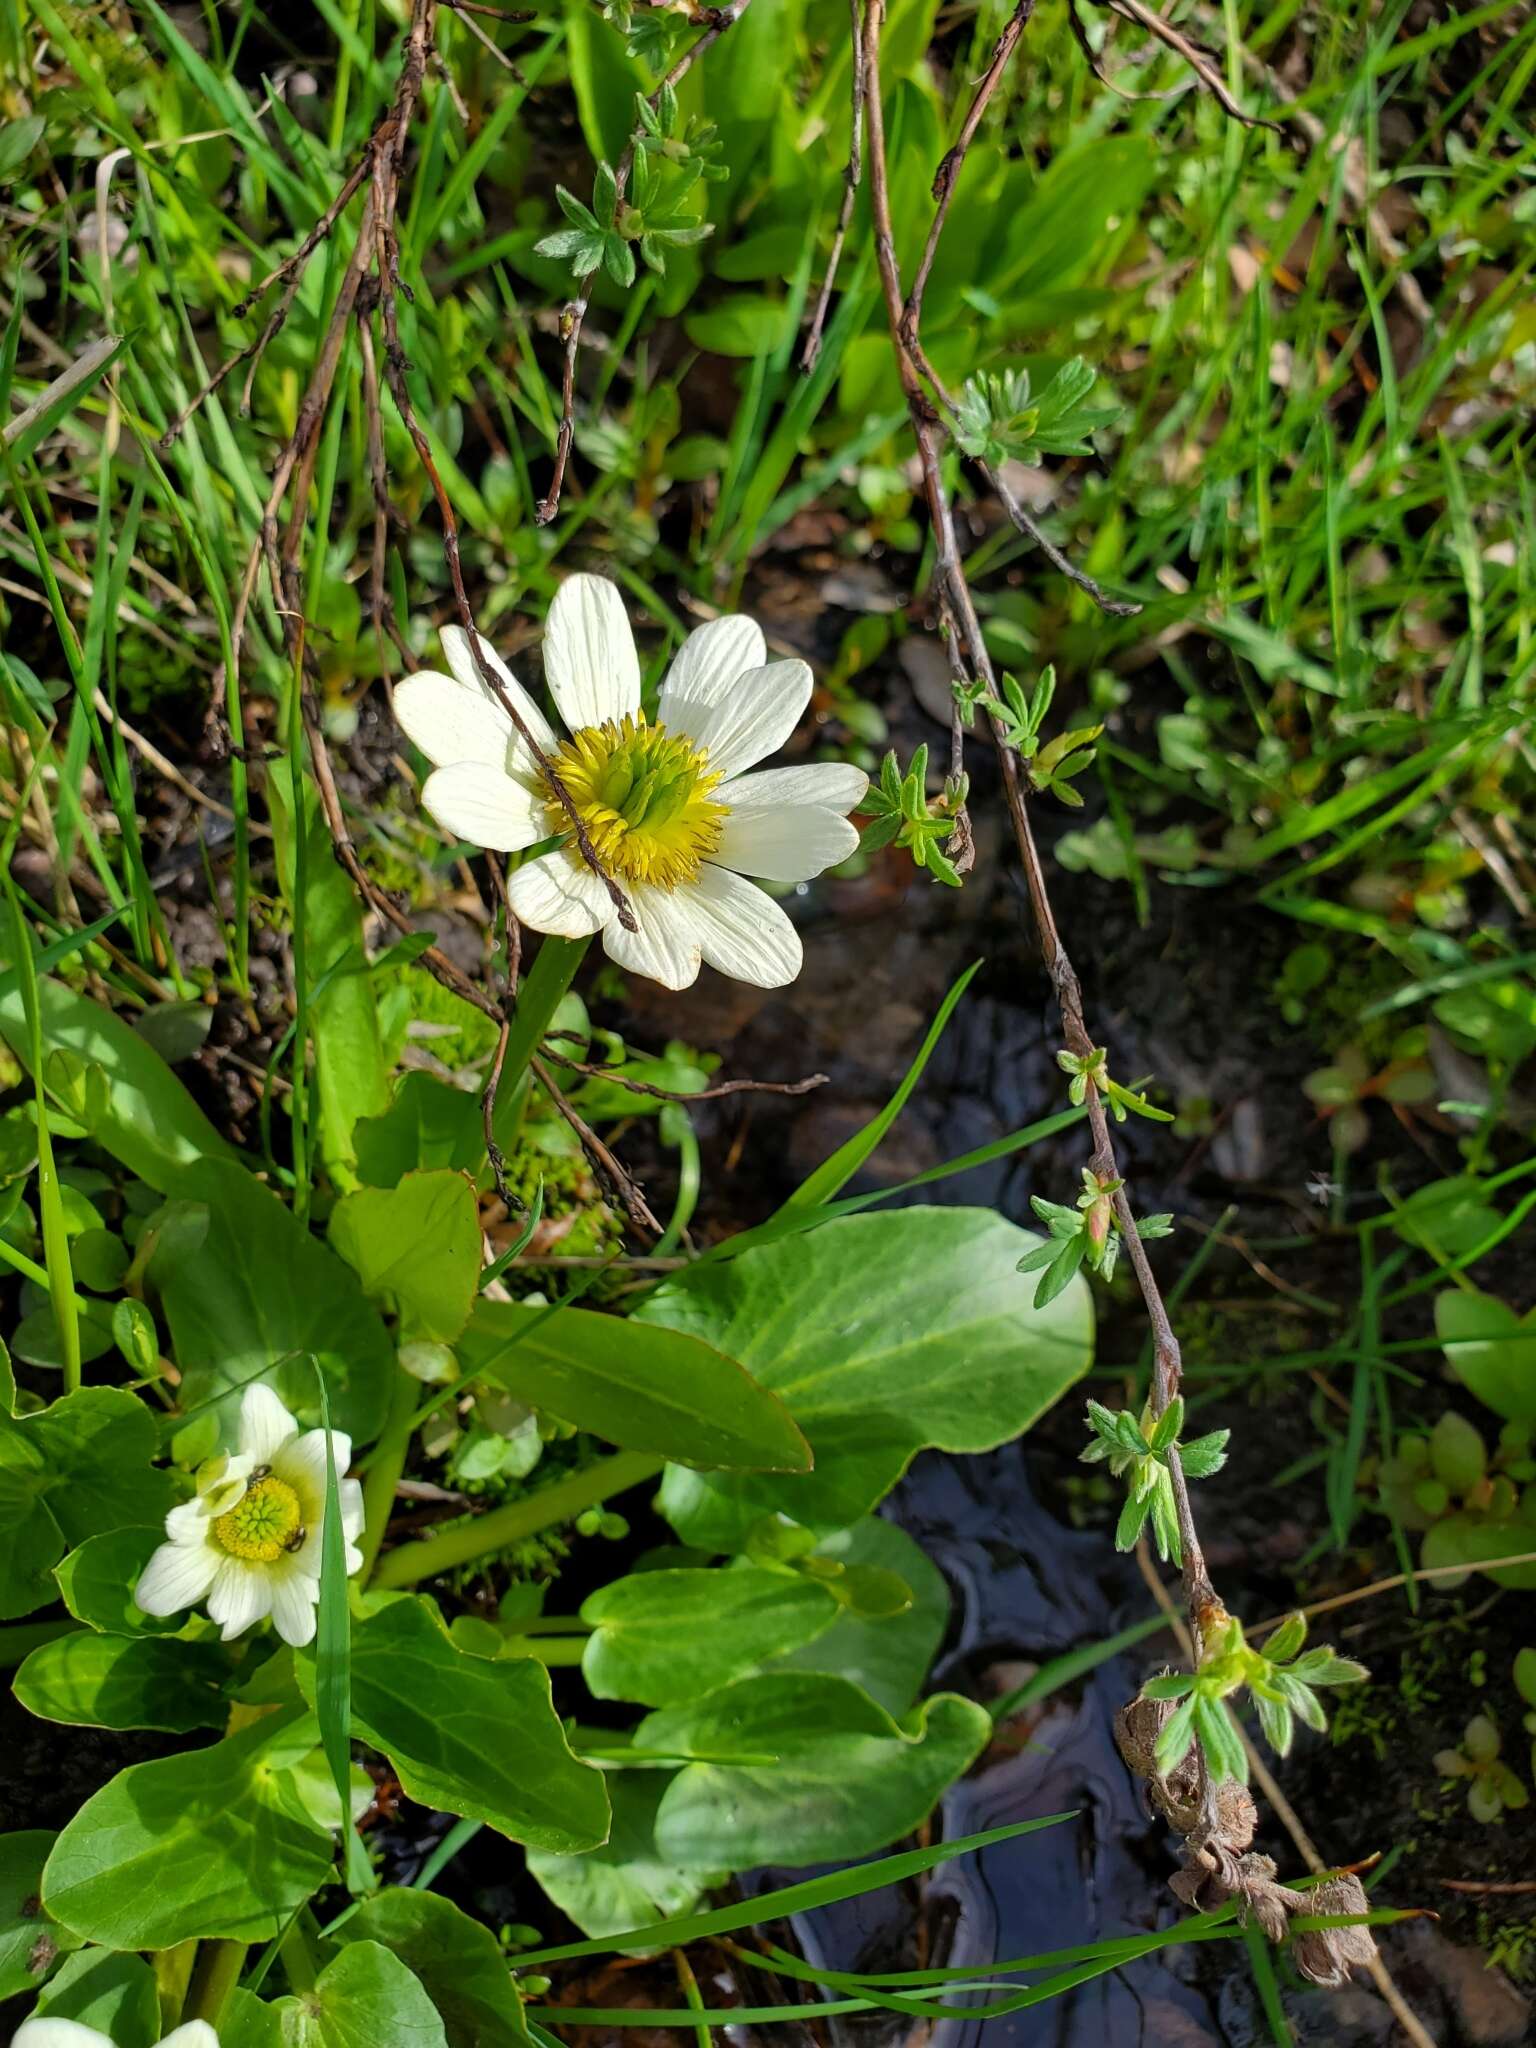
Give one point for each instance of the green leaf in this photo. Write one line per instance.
(1173, 1745)
(1491, 1350)
(1287, 1639)
(627, 1882)
(258, 1299)
(65, 1472)
(351, 1079)
(642, 1388)
(845, 1779)
(416, 1247)
(467, 1734)
(365, 1998)
(92, 1681)
(459, 1963)
(660, 1637)
(429, 1123)
(31, 1941)
(883, 1333)
(213, 1843)
(1475, 1540)
(18, 139)
(145, 1117)
(1062, 1270)
(98, 1577)
(746, 324)
(105, 1989)
(889, 1658)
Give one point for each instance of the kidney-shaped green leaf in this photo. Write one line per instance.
(91, 1681)
(627, 1882)
(214, 1844)
(801, 1767)
(67, 1471)
(260, 1296)
(466, 1734)
(660, 1637)
(31, 1941)
(417, 1244)
(1492, 1351)
(365, 1998)
(98, 1577)
(888, 1657)
(677, 1394)
(882, 1334)
(459, 1962)
(144, 1116)
(107, 1990)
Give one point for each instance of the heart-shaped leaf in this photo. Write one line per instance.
(800, 1768)
(211, 1844)
(416, 1246)
(664, 1636)
(882, 1334)
(467, 1734)
(676, 1394)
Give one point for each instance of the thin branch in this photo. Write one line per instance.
(851, 179)
(1209, 74)
(597, 1072)
(948, 173)
(574, 312)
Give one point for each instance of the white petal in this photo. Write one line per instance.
(590, 662)
(354, 1559)
(188, 1524)
(177, 1576)
(46, 2033)
(449, 723)
(302, 1464)
(559, 893)
(666, 947)
(483, 805)
(832, 784)
(743, 932)
(195, 2034)
(456, 646)
(294, 1595)
(351, 1511)
(265, 1425)
(708, 665)
(785, 846)
(751, 720)
(242, 1593)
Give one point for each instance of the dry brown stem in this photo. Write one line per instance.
(574, 312)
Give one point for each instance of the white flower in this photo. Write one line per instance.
(669, 808)
(48, 2033)
(250, 1541)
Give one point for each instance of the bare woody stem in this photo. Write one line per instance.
(574, 313)
(961, 622)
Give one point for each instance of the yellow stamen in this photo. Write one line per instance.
(263, 1523)
(643, 797)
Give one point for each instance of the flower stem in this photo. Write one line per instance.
(544, 988)
(385, 1466)
(518, 1520)
(214, 1975)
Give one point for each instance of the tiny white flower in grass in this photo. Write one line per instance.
(249, 1543)
(669, 808)
(47, 2033)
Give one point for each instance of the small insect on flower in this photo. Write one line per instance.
(249, 1542)
(51, 2033)
(667, 808)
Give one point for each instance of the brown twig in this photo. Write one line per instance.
(1208, 73)
(717, 21)
(851, 178)
(597, 1072)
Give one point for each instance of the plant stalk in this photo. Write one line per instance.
(461, 1545)
(214, 1976)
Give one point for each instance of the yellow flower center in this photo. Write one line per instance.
(266, 1521)
(643, 797)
